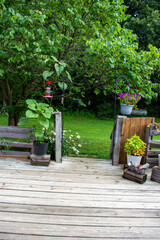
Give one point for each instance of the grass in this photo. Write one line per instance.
(95, 133)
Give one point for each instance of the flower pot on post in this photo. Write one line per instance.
(126, 109)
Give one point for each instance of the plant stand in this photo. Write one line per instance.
(134, 176)
(40, 160)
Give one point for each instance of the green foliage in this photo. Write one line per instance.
(144, 21)
(78, 42)
(105, 110)
(40, 114)
(5, 144)
(135, 146)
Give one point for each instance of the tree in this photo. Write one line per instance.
(82, 36)
(144, 20)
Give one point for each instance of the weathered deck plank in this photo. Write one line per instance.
(73, 200)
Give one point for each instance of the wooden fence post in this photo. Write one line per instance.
(58, 138)
(117, 140)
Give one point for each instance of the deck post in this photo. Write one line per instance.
(58, 137)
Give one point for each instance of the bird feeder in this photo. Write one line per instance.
(48, 91)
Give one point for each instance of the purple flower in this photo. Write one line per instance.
(128, 95)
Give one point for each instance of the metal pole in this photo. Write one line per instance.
(116, 96)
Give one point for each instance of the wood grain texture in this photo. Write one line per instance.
(130, 127)
(77, 199)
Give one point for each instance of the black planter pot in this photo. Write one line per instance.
(40, 148)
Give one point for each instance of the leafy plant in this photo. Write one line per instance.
(5, 144)
(135, 146)
(40, 114)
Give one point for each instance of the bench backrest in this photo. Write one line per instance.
(14, 132)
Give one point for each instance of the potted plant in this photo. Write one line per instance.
(39, 115)
(127, 102)
(135, 148)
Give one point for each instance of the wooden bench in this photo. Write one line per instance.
(22, 133)
(22, 149)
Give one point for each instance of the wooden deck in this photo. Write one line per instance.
(73, 200)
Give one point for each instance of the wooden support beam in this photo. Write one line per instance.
(117, 140)
(58, 138)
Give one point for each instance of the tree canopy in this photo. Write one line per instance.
(80, 42)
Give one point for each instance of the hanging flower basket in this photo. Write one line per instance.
(126, 109)
(127, 102)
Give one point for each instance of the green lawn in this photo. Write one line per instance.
(95, 134)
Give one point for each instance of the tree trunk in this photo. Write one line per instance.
(13, 119)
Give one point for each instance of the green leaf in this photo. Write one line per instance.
(62, 85)
(1, 72)
(23, 121)
(44, 122)
(32, 107)
(59, 68)
(39, 135)
(30, 114)
(31, 101)
(55, 59)
(47, 74)
(48, 112)
(69, 76)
